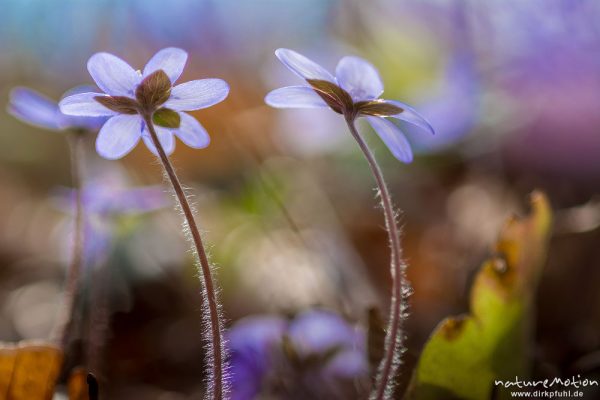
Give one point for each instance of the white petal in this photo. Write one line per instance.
(191, 132)
(393, 138)
(165, 137)
(171, 60)
(113, 75)
(194, 95)
(119, 135)
(84, 104)
(411, 116)
(359, 78)
(295, 97)
(302, 66)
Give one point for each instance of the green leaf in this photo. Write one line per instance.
(166, 118)
(465, 354)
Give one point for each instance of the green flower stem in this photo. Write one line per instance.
(215, 341)
(388, 367)
(63, 329)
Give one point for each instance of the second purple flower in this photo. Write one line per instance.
(354, 92)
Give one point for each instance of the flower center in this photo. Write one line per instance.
(154, 90)
(151, 93)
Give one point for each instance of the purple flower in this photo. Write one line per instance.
(107, 196)
(353, 92)
(254, 344)
(131, 95)
(107, 193)
(318, 332)
(312, 356)
(33, 108)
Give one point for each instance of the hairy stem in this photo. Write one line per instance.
(63, 327)
(386, 373)
(217, 386)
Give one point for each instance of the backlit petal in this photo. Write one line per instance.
(295, 97)
(171, 60)
(194, 95)
(302, 66)
(359, 78)
(191, 132)
(119, 135)
(411, 116)
(85, 105)
(393, 138)
(113, 75)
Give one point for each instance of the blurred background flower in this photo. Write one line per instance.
(511, 87)
(107, 199)
(317, 355)
(33, 108)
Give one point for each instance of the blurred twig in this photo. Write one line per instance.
(62, 330)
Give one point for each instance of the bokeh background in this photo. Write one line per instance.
(286, 201)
